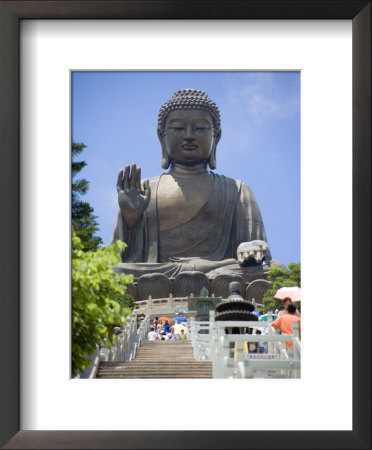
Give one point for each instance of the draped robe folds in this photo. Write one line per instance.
(206, 240)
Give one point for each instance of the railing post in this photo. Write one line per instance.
(228, 361)
(215, 355)
(296, 334)
(270, 330)
(296, 352)
(239, 345)
(248, 369)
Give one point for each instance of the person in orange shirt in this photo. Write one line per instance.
(286, 302)
(285, 323)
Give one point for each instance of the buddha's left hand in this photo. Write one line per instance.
(251, 252)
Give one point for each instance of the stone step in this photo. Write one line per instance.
(146, 367)
(156, 373)
(151, 376)
(184, 373)
(159, 359)
(165, 357)
(159, 345)
(187, 351)
(164, 345)
(154, 367)
(184, 361)
(164, 354)
(170, 348)
(155, 361)
(152, 363)
(167, 342)
(179, 364)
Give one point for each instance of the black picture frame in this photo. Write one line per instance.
(11, 12)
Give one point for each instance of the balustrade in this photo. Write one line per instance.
(126, 341)
(161, 305)
(229, 353)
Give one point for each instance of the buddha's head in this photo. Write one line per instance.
(189, 129)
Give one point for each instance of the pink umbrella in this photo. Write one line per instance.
(294, 293)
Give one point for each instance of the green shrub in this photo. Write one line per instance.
(95, 310)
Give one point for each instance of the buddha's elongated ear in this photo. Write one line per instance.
(212, 159)
(165, 161)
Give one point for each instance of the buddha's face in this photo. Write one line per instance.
(188, 136)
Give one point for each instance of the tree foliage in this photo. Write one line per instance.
(84, 222)
(80, 186)
(96, 289)
(281, 277)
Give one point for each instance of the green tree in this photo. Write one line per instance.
(281, 277)
(95, 288)
(127, 301)
(84, 222)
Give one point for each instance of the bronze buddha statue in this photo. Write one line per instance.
(189, 218)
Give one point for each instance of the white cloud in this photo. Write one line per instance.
(261, 97)
(254, 102)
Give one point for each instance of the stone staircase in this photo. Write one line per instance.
(159, 359)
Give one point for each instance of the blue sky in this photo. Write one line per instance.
(115, 115)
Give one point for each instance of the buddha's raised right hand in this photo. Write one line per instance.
(133, 200)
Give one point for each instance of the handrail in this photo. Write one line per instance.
(126, 341)
(128, 338)
(152, 306)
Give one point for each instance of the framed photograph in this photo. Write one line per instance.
(335, 176)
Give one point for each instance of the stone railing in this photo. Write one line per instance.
(126, 342)
(200, 339)
(161, 306)
(144, 328)
(229, 357)
(128, 338)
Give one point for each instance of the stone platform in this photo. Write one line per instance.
(159, 286)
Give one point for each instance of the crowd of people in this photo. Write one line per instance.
(160, 332)
(284, 324)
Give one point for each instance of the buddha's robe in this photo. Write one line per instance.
(191, 223)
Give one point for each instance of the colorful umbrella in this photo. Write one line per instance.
(179, 327)
(265, 317)
(180, 319)
(294, 293)
(163, 319)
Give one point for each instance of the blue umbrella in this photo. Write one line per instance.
(180, 319)
(256, 313)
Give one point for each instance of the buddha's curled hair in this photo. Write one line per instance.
(190, 99)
